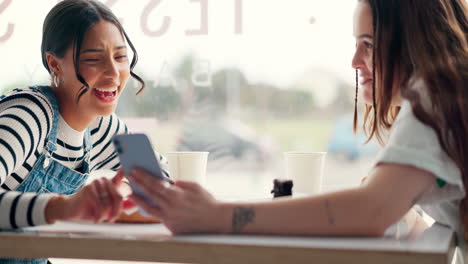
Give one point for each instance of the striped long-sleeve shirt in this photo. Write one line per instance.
(26, 118)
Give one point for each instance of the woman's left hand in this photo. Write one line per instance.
(184, 207)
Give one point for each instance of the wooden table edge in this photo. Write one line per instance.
(30, 246)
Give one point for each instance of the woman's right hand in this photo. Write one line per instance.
(183, 207)
(96, 202)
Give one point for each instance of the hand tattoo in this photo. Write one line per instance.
(241, 217)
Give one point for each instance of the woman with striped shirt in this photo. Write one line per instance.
(52, 137)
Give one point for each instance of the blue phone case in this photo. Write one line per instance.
(135, 151)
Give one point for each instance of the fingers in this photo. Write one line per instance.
(192, 190)
(156, 190)
(187, 185)
(102, 201)
(117, 179)
(144, 177)
(115, 200)
(128, 204)
(108, 201)
(124, 189)
(150, 209)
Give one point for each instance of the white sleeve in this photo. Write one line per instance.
(415, 144)
(22, 209)
(21, 131)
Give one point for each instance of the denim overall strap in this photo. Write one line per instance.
(52, 138)
(49, 175)
(88, 145)
(35, 181)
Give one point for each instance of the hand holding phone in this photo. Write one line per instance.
(135, 151)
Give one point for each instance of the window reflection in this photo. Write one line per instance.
(258, 78)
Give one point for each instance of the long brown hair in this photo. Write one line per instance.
(426, 39)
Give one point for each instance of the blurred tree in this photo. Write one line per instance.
(160, 102)
(291, 103)
(228, 87)
(230, 93)
(344, 100)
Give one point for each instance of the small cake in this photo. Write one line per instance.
(282, 187)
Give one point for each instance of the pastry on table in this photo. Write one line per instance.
(136, 217)
(131, 214)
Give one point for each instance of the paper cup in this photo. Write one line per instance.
(306, 171)
(188, 166)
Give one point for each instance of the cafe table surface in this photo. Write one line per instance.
(153, 242)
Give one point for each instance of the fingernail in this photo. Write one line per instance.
(166, 184)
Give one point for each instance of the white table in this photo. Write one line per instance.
(155, 243)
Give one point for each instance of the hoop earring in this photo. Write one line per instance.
(55, 80)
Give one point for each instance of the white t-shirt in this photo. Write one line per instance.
(415, 144)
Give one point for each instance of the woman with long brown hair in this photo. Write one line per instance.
(412, 57)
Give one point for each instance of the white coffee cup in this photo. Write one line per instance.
(305, 169)
(188, 166)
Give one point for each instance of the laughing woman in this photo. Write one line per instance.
(52, 137)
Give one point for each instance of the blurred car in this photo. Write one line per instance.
(344, 142)
(227, 141)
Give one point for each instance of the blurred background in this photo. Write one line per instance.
(245, 80)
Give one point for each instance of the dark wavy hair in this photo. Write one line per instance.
(66, 25)
(426, 39)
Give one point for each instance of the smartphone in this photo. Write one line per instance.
(135, 151)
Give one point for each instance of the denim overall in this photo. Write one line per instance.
(49, 176)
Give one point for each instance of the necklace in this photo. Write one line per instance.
(68, 153)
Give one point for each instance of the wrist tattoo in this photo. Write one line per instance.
(242, 216)
(331, 220)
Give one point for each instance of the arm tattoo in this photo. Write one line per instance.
(241, 217)
(331, 220)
